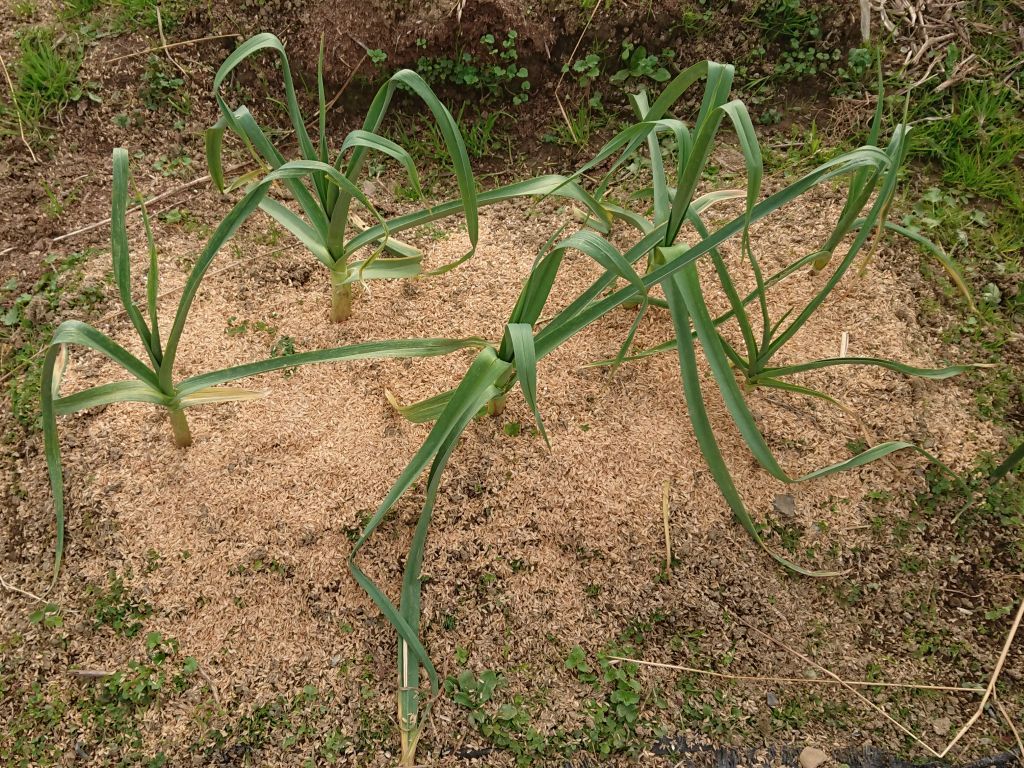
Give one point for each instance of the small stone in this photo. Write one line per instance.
(942, 725)
(773, 700)
(784, 505)
(812, 757)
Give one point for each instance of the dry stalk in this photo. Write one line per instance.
(988, 692)
(162, 196)
(18, 590)
(166, 47)
(847, 686)
(665, 490)
(17, 110)
(561, 107)
(807, 680)
(163, 43)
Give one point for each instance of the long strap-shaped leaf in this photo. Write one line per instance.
(567, 323)
(121, 254)
(255, 137)
(465, 404)
(877, 213)
(687, 285)
(262, 42)
(892, 365)
(83, 334)
(521, 337)
(541, 186)
(702, 428)
(477, 387)
(374, 350)
(454, 144)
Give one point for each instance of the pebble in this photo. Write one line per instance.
(812, 757)
(784, 505)
(773, 700)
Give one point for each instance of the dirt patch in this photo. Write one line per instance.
(239, 544)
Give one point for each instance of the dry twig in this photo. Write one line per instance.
(163, 42)
(807, 680)
(17, 110)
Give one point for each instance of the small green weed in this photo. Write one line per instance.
(177, 165)
(615, 711)
(638, 64)
(996, 507)
(495, 73)
(57, 202)
(25, 10)
(506, 725)
(116, 607)
(162, 87)
(48, 616)
(301, 724)
(795, 32)
(107, 715)
(28, 320)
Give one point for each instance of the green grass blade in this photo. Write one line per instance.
(450, 133)
(152, 286)
(744, 127)
(586, 309)
(71, 332)
(687, 284)
(321, 114)
(806, 391)
(214, 145)
(877, 213)
(51, 447)
(737, 305)
(686, 183)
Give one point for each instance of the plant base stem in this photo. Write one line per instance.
(341, 299)
(179, 425)
(496, 407)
